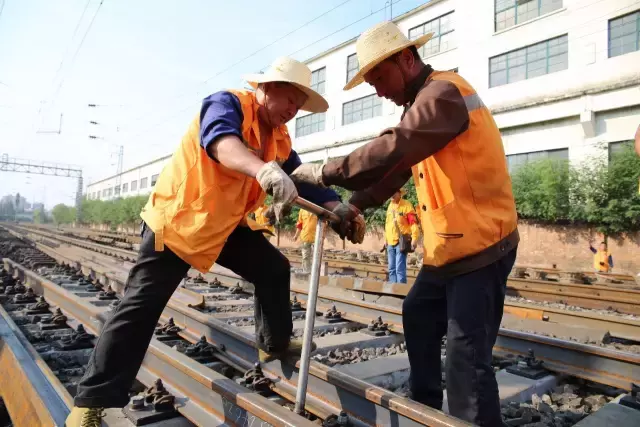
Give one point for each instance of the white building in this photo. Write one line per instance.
(133, 182)
(560, 76)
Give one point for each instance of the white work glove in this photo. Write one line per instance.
(311, 173)
(276, 182)
(352, 224)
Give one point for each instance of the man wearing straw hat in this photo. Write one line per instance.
(448, 140)
(235, 151)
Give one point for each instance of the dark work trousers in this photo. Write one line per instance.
(126, 335)
(468, 309)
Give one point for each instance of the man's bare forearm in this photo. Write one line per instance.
(232, 153)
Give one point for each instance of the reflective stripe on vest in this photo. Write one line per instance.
(473, 102)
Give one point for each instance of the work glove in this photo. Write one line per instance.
(311, 173)
(276, 182)
(351, 225)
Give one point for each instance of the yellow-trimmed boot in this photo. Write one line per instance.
(294, 349)
(85, 417)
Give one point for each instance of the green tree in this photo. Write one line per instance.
(606, 195)
(63, 214)
(541, 190)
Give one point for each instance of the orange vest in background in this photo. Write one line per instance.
(464, 190)
(601, 257)
(197, 202)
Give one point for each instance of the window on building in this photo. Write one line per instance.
(318, 79)
(513, 12)
(528, 62)
(143, 183)
(624, 34)
(104, 192)
(352, 66)
(442, 40)
(618, 147)
(125, 187)
(110, 191)
(134, 185)
(514, 161)
(361, 109)
(311, 123)
(154, 179)
(116, 190)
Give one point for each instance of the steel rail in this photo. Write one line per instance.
(329, 391)
(30, 391)
(615, 368)
(206, 397)
(601, 365)
(125, 253)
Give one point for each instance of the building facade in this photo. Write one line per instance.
(562, 78)
(133, 182)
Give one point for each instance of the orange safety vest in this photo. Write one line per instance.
(601, 257)
(308, 222)
(464, 190)
(262, 221)
(397, 213)
(197, 202)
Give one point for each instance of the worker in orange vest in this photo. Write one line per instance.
(306, 232)
(236, 150)
(602, 259)
(262, 220)
(449, 141)
(401, 234)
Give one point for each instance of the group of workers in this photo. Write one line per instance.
(237, 149)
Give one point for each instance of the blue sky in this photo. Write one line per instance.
(147, 64)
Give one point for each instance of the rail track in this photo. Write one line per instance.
(596, 297)
(218, 309)
(330, 391)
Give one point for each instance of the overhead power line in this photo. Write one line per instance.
(187, 106)
(251, 55)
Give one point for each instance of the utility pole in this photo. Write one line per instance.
(120, 163)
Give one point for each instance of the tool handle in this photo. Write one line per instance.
(319, 211)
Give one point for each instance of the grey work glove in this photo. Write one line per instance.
(311, 173)
(352, 224)
(276, 182)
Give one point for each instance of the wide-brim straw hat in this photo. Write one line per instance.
(377, 44)
(289, 70)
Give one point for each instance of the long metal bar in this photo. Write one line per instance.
(309, 321)
(318, 211)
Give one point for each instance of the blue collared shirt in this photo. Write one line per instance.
(221, 114)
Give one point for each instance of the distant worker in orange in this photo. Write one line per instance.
(401, 234)
(306, 231)
(602, 259)
(265, 223)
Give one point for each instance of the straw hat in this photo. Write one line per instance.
(289, 70)
(377, 44)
